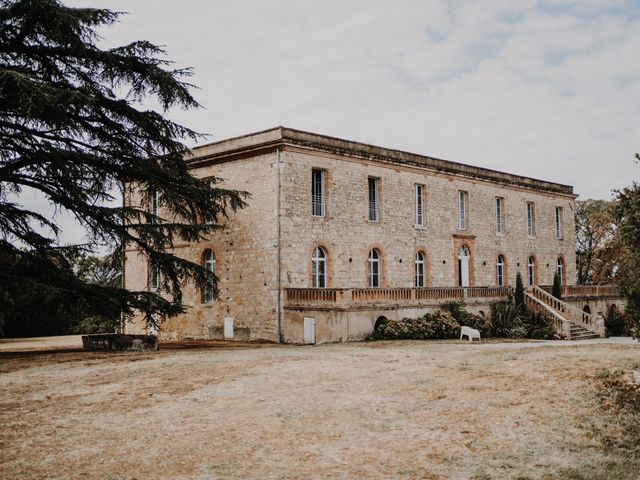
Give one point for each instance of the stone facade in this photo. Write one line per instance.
(266, 248)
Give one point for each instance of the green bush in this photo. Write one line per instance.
(617, 323)
(556, 290)
(95, 324)
(537, 326)
(457, 311)
(519, 293)
(438, 325)
(507, 320)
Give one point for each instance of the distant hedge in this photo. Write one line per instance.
(506, 320)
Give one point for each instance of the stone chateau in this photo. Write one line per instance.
(338, 234)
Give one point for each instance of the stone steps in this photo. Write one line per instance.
(578, 332)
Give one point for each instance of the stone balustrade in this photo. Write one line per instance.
(561, 324)
(570, 312)
(586, 290)
(327, 297)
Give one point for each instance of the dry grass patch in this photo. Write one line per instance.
(382, 410)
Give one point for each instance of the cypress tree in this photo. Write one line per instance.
(73, 127)
(556, 291)
(519, 293)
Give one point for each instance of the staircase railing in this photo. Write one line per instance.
(569, 312)
(560, 323)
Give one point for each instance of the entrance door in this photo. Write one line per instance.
(309, 330)
(228, 328)
(463, 266)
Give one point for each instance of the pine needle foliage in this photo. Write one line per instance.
(73, 127)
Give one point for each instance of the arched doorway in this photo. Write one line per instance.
(380, 321)
(463, 266)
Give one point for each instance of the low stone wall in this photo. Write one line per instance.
(117, 342)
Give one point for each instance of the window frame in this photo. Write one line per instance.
(559, 213)
(420, 269)
(463, 210)
(500, 271)
(374, 259)
(318, 205)
(211, 265)
(531, 270)
(560, 267)
(418, 206)
(316, 262)
(154, 205)
(500, 217)
(155, 282)
(373, 198)
(531, 219)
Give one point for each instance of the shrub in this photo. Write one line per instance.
(457, 311)
(439, 325)
(556, 290)
(519, 293)
(95, 324)
(616, 323)
(507, 320)
(537, 326)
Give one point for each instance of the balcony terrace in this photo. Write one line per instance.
(356, 298)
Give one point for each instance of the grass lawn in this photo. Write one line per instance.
(366, 410)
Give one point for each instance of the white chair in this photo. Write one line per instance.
(470, 332)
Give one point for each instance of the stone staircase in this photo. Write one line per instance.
(578, 332)
(569, 321)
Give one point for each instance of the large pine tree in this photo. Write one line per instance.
(72, 127)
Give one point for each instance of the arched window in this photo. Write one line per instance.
(373, 273)
(500, 271)
(319, 268)
(560, 270)
(420, 270)
(531, 271)
(154, 278)
(209, 262)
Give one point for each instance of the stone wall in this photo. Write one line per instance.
(246, 264)
(247, 249)
(347, 235)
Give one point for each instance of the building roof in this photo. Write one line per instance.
(258, 142)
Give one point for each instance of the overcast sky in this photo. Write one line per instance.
(544, 89)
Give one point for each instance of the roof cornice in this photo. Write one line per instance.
(268, 140)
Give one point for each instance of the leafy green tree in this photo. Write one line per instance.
(628, 218)
(73, 127)
(556, 290)
(519, 293)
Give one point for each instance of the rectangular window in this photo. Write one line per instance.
(531, 219)
(419, 206)
(317, 193)
(499, 215)
(463, 210)
(154, 205)
(374, 199)
(154, 278)
(559, 223)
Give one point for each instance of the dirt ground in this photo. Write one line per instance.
(367, 410)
